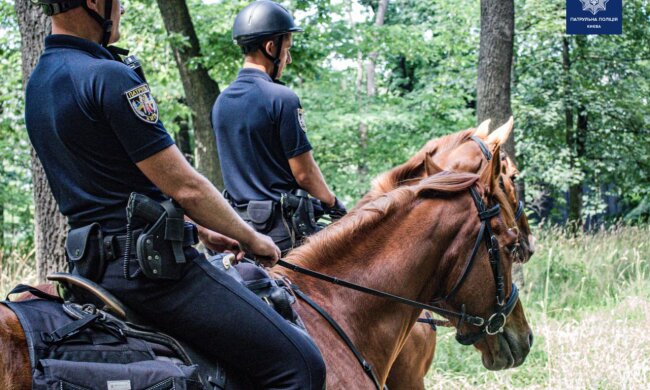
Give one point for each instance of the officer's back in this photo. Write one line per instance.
(254, 139)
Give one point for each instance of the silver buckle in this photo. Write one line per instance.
(489, 322)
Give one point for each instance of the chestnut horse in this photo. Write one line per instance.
(417, 354)
(404, 235)
(412, 241)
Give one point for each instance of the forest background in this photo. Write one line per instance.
(582, 121)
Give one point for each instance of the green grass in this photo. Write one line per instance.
(587, 299)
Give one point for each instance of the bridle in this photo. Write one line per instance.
(495, 323)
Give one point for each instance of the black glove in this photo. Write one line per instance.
(337, 211)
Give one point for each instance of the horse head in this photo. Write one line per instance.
(483, 287)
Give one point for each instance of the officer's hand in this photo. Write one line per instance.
(217, 242)
(337, 211)
(263, 249)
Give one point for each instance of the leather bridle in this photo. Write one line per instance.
(495, 323)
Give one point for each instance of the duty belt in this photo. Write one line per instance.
(115, 245)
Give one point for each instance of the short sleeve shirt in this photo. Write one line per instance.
(90, 119)
(259, 125)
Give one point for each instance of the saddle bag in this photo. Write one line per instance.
(79, 347)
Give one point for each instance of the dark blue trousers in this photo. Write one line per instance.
(224, 320)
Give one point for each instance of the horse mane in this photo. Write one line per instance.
(393, 178)
(339, 237)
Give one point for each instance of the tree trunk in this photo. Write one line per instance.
(50, 226)
(370, 66)
(575, 189)
(495, 65)
(183, 139)
(495, 75)
(200, 89)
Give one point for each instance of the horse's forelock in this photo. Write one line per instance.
(399, 175)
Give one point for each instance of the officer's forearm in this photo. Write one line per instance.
(316, 186)
(202, 202)
(309, 177)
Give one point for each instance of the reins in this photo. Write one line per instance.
(478, 321)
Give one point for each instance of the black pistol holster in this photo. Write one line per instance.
(159, 247)
(299, 210)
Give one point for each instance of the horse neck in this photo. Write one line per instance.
(399, 257)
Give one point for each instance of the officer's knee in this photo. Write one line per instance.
(314, 371)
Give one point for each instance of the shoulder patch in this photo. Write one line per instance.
(301, 119)
(142, 103)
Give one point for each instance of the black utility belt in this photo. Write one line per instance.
(89, 250)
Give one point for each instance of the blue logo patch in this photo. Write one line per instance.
(594, 16)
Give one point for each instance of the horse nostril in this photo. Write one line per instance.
(531, 244)
(530, 339)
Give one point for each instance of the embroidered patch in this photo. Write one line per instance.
(142, 103)
(301, 119)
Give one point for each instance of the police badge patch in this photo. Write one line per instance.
(142, 103)
(301, 119)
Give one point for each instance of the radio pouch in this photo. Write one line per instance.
(84, 249)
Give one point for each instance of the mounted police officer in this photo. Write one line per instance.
(95, 127)
(261, 134)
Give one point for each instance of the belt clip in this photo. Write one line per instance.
(110, 247)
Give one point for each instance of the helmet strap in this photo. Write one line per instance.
(105, 22)
(275, 59)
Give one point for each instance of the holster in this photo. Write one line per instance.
(160, 246)
(299, 210)
(84, 250)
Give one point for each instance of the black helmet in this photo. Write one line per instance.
(53, 7)
(262, 19)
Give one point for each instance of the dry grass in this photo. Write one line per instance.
(608, 349)
(588, 302)
(16, 266)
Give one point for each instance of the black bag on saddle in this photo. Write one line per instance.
(79, 347)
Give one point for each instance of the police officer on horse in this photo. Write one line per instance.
(95, 127)
(261, 134)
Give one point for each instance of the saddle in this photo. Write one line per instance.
(85, 301)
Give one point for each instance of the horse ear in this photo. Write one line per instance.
(500, 135)
(490, 176)
(483, 129)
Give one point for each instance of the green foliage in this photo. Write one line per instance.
(426, 61)
(15, 181)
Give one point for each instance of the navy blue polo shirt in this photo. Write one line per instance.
(259, 125)
(90, 119)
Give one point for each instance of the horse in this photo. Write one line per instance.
(414, 360)
(415, 242)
